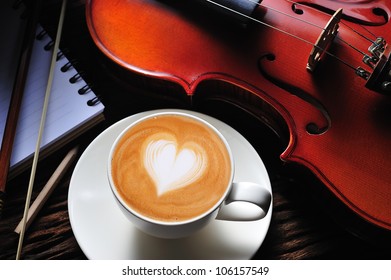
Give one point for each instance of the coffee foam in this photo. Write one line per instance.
(171, 168)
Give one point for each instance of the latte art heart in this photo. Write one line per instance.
(171, 169)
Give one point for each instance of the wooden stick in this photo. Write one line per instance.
(16, 98)
(41, 127)
(48, 189)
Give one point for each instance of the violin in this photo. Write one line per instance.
(322, 66)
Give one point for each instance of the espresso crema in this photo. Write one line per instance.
(171, 168)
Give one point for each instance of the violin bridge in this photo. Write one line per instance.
(324, 41)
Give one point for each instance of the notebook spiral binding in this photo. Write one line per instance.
(70, 64)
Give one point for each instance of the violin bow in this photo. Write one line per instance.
(16, 98)
(41, 127)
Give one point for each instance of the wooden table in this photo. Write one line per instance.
(303, 226)
(299, 229)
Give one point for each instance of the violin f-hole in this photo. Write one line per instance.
(364, 14)
(297, 10)
(312, 128)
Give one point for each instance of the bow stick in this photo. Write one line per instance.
(41, 127)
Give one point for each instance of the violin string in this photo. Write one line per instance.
(360, 34)
(259, 21)
(320, 11)
(351, 46)
(372, 41)
(320, 27)
(282, 31)
(370, 32)
(287, 15)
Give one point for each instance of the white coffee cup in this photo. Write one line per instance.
(244, 192)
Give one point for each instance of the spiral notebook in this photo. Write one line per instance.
(73, 107)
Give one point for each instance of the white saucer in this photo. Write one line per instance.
(103, 232)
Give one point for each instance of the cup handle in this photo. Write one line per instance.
(256, 202)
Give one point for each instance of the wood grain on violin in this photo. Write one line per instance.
(338, 115)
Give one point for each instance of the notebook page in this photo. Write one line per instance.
(67, 109)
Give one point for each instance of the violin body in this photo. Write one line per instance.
(338, 128)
